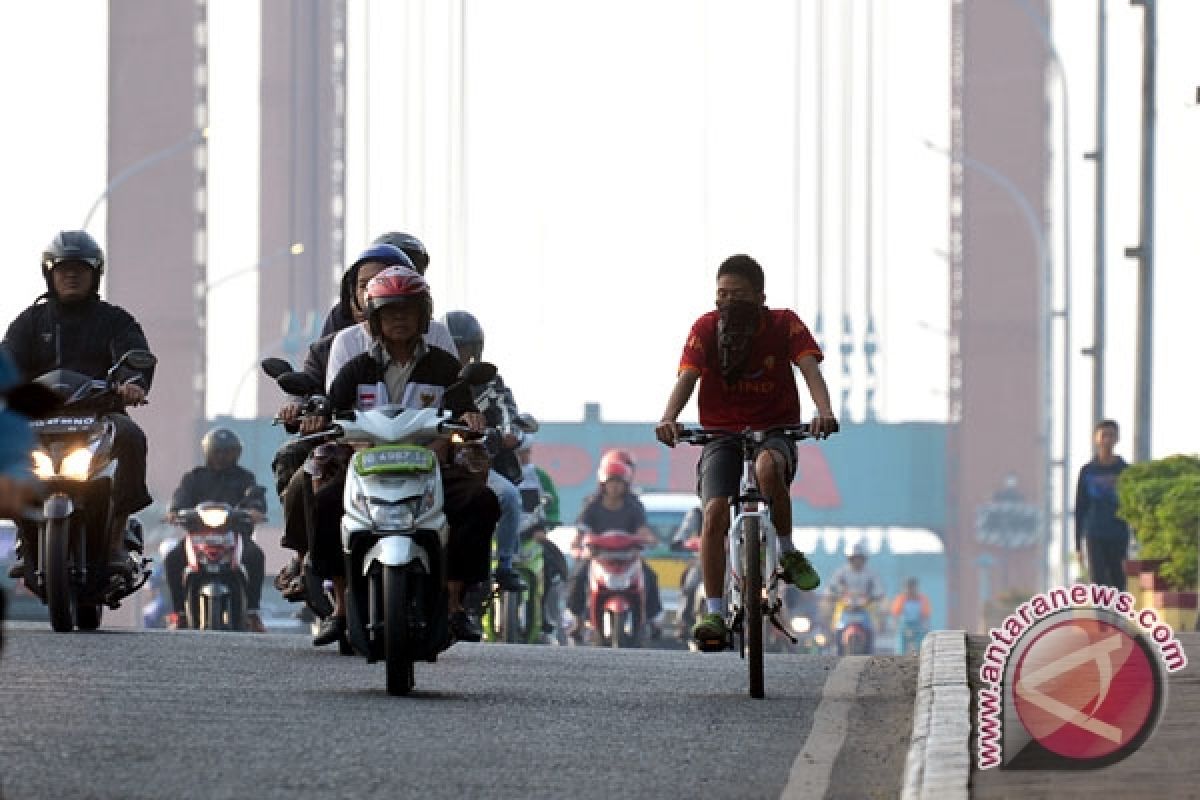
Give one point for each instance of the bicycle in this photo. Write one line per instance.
(748, 574)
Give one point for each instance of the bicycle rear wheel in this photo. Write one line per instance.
(752, 600)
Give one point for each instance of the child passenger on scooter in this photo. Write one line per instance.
(401, 369)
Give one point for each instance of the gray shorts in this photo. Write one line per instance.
(719, 470)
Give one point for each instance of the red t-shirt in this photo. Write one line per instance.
(765, 396)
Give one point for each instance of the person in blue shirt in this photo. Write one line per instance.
(1101, 537)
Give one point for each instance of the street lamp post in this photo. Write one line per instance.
(139, 166)
(294, 249)
(1043, 28)
(1034, 223)
(293, 339)
(1144, 251)
(294, 333)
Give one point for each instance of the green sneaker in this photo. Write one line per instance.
(798, 572)
(710, 631)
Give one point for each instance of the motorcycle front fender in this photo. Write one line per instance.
(58, 506)
(395, 551)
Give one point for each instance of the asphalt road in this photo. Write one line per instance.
(135, 714)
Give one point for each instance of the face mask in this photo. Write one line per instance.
(736, 327)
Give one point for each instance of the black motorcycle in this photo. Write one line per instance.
(73, 457)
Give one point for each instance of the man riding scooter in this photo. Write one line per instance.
(496, 403)
(70, 328)
(911, 611)
(220, 480)
(855, 590)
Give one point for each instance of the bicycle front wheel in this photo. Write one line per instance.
(752, 601)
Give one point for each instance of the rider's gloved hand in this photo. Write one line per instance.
(312, 424)
(132, 394)
(290, 411)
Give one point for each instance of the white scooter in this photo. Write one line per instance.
(394, 532)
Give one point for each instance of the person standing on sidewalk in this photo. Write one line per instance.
(1101, 537)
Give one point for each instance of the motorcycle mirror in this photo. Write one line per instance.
(527, 423)
(274, 367)
(477, 373)
(138, 359)
(297, 383)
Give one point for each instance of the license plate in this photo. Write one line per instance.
(394, 458)
(59, 425)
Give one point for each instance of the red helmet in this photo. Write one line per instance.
(614, 468)
(623, 457)
(398, 285)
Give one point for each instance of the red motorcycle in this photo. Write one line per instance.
(616, 592)
(214, 580)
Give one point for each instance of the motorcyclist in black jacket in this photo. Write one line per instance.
(496, 403)
(220, 480)
(70, 327)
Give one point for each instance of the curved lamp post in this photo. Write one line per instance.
(198, 135)
(1034, 223)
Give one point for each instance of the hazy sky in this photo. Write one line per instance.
(616, 152)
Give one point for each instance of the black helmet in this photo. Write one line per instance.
(413, 247)
(73, 246)
(221, 439)
(464, 329)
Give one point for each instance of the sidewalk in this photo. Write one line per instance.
(1167, 765)
(942, 759)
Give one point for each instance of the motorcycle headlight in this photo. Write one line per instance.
(391, 517)
(77, 465)
(43, 467)
(819, 640)
(801, 624)
(214, 517)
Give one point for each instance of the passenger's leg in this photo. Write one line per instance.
(255, 561)
(508, 540)
(325, 552)
(472, 511)
(653, 598)
(173, 565)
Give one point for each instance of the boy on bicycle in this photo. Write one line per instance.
(742, 355)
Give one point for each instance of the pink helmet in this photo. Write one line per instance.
(623, 457)
(614, 468)
(398, 285)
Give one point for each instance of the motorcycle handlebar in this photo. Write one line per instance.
(470, 433)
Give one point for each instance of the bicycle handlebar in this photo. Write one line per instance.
(701, 436)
